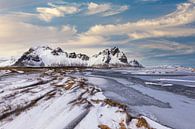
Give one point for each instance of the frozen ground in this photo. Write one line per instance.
(69, 99)
(165, 95)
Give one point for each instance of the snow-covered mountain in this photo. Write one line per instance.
(135, 63)
(109, 58)
(46, 56)
(7, 61)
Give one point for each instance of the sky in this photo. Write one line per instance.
(155, 32)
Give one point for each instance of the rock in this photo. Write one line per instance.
(72, 55)
(83, 57)
(57, 51)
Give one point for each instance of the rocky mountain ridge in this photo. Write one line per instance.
(44, 56)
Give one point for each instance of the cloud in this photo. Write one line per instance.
(171, 25)
(10, 4)
(167, 45)
(87, 40)
(71, 30)
(148, 49)
(25, 34)
(171, 48)
(94, 8)
(48, 13)
(165, 26)
(169, 32)
(106, 9)
(60, 10)
(17, 36)
(116, 11)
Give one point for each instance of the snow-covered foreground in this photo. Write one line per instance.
(58, 99)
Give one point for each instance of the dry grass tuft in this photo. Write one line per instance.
(142, 123)
(69, 85)
(115, 104)
(97, 101)
(122, 125)
(103, 127)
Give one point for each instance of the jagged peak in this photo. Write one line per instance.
(45, 47)
(114, 50)
(58, 49)
(135, 63)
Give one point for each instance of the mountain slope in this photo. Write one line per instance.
(7, 62)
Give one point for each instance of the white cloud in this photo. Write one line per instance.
(69, 29)
(171, 25)
(17, 34)
(168, 25)
(106, 9)
(174, 47)
(48, 13)
(9, 4)
(87, 40)
(169, 32)
(94, 8)
(160, 48)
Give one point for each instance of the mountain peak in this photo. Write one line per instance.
(112, 57)
(114, 50)
(58, 51)
(135, 63)
(41, 47)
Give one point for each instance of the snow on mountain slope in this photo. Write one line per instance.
(7, 62)
(109, 57)
(46, 56)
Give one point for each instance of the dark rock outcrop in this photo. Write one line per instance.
(135, 63)
(72, 55)
(83, 57)
(29, 59)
